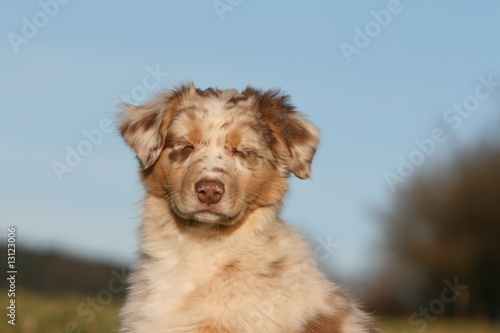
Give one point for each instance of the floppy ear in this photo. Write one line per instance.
(144, 128)
(295, 138)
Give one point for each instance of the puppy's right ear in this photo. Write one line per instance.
(144, 128)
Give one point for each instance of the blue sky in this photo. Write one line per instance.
(64, 65)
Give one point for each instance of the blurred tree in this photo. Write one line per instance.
(55, 273)
(445, 225)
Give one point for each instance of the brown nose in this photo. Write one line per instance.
(209, 191)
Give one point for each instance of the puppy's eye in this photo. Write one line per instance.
(241, 152)
(184, 147)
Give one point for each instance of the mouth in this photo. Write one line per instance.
(206, 215)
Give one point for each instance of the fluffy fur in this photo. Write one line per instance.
(215, 256)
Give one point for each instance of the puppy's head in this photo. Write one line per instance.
(214, 155)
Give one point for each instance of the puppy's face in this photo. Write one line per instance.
(214, 156)
(217, 162)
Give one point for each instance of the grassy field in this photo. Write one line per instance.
(402, 325)
(36, 313)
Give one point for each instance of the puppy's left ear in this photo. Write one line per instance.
(141, 128)
(295, 138)
(144, 128)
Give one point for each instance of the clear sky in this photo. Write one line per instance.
(395, 86)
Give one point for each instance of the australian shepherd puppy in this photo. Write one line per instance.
(215, 257)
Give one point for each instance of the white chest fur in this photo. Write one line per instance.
(249, 282)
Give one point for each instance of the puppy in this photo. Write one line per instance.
(215, 256)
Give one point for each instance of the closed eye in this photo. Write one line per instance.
(240, 152)
(184, 146)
